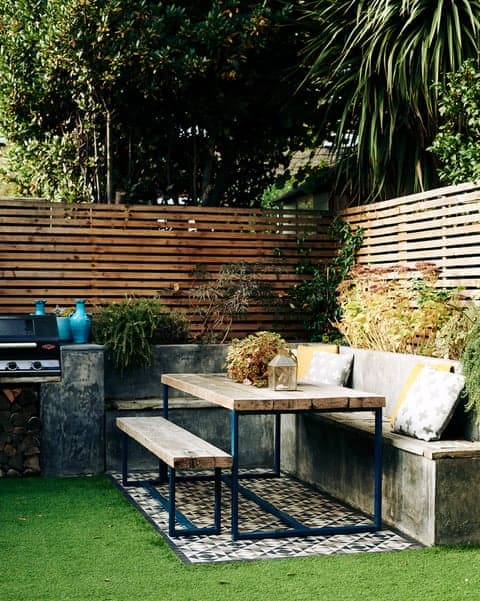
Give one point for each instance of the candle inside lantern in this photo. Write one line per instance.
(282, 373)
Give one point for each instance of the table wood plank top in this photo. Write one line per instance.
(221, 390)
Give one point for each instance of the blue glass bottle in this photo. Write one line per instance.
(80, 322)
(40, 307)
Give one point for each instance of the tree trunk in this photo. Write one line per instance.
(108, 190)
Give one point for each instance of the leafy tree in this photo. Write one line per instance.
(154, 98)
(457, 145)
(376, 64)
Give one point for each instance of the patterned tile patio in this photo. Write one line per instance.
(195, 499)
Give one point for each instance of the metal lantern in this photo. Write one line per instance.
(282, 373)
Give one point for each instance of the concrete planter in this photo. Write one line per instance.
(173, 358)
(141, 394)
(78, 414)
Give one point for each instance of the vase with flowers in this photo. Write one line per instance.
(63, 323)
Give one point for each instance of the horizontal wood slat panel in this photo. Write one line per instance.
(441, 226)
(460, 191)
(103, 252)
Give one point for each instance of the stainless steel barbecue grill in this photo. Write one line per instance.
(29, 347)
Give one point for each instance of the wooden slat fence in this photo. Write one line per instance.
(441, 226)
(102, 252)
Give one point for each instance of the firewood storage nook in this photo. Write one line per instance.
(29, 355)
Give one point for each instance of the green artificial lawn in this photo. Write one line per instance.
(73, 539)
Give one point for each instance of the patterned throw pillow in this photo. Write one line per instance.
(412, 376)
(304, 353)
(429, 404)
(329, 368)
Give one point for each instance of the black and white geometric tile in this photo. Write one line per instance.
(195, 500)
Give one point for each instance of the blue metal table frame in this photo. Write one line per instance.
(341, 399)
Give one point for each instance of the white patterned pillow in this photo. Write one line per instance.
(429, 404)
(329, 368)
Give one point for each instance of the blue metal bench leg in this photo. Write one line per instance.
(174, 515)
(187, 527)
(218, 501)
(125, 459)
(377, 493)
(172, 501)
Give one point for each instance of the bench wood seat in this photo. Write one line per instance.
(431, 450)
(177, 447)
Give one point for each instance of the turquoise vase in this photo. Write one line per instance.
(40, 307)
(80, 323)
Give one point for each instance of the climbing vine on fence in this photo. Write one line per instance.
(314, 300)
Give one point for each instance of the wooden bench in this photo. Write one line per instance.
(176, 448)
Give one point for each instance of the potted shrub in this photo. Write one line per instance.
(247, 359)
(129, 329)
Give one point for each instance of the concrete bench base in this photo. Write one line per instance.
(430, 490)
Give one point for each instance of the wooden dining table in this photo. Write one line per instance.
(242, 399)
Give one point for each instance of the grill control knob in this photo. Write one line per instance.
(36, 365)
(12, 366)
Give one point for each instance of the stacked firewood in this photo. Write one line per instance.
(19, 431)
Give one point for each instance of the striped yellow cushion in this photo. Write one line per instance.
(412, 376)
(305, 355)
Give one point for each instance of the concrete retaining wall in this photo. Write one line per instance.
(78, 414)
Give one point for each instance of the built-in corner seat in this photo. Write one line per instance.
(430, 489)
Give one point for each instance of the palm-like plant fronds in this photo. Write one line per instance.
(376, 63)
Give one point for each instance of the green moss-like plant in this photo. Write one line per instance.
(314, 300)
(248, 358)
(471, 370)
(172, 327)
(129, 329)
